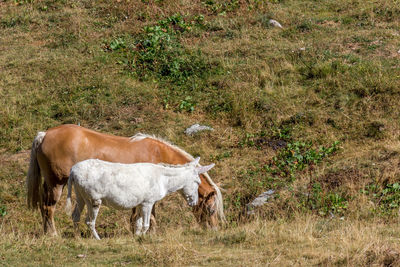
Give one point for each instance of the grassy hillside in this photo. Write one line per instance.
(309, 110)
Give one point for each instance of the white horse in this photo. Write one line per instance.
(124, 186)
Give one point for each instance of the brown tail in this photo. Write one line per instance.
(34, 178)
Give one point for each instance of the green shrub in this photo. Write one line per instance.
(3, 211)
(325, 203)
(158, 55)
(387, 198)
(187, 104)
(221, 7)
(297, 156)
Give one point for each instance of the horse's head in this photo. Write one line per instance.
(206, 211)
(190, 190)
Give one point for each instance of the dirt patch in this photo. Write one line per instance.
(275, 144)
(335, 179)
(386, 257)
(21, 157)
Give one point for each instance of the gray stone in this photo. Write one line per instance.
(195, 128)
(274, 23)
(259, 201)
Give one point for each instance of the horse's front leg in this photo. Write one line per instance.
(138, 221)
(146, 214)
(134, 217)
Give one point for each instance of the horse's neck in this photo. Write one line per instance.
(171, 154)
(176, 180)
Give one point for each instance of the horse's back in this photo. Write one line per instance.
(119, 185)
(139, 175)
(65, 145)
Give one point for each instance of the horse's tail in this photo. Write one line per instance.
(34, 178)
(68, 205)
(219, 204)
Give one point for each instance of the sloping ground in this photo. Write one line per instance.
(309, 110)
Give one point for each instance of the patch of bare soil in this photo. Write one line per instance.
(335, 179)
(21, 157)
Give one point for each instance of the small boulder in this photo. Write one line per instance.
(274, 23)
(259, 201)
(195, 128)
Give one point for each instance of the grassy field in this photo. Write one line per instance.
(309, 110)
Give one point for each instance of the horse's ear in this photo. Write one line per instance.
(196, 161)
(203, 169)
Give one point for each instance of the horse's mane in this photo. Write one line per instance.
(141, 136)
(173, 166)
(219, 202)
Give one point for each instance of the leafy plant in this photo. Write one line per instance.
(117, 44)
(390, 196)
(187, 104)
(279, 134)
(3, 211)
(297, 156)
(22, 2)
(221, 7)
(294, 156)
(325, 203)
(219, 157)
(387, 198)
(248, 140)
(175, 23)
(158, 54)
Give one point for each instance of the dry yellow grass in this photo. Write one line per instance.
(305, 241)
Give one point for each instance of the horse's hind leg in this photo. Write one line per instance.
(76, 214)
(51, 195)
(93, 210)
(153, 222)
(132, 219)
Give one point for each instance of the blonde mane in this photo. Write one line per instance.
(219, 201)
(141, 136)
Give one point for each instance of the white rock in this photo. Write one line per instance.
(259, 201)
(275, 23)
(195, 128)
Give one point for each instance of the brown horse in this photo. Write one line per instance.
(55, 151)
